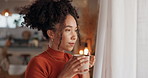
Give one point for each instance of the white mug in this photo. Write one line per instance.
(85, 66)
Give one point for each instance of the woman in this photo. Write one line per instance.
(57, 19)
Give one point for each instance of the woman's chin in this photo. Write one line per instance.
(69, 49)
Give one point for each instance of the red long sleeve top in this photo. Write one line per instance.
(47, 65)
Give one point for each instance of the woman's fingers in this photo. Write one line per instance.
(79, 63)
(77, 59)
(92, 61)
(82, 71)
(73, 66)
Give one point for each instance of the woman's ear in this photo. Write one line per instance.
(50, 34)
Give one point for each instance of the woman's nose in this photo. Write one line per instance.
(74, 36)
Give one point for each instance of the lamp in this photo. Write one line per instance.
(81, 52)
(6, 12)
(85, 51)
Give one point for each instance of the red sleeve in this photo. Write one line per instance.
(37, 68)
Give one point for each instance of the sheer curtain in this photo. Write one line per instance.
(116, 39)
(142, 39)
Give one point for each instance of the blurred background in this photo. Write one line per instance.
(19, 44)
(115, 31)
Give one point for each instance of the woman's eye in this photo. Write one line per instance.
(76, 30)
(67, 30)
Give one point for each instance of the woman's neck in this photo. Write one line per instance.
(54, 47)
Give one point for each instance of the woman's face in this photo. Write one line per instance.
(69, 35)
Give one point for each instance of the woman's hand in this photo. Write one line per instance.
(92, 61)
(72, 67)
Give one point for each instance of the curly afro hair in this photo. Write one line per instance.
(45, 14)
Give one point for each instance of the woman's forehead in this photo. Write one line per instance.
(68, 22)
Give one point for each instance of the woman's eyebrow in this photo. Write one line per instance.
(70, 26)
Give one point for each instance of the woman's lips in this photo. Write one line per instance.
(71, 44)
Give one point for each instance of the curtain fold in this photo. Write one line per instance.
(142, 39)
(116, 39)
(101, 39)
